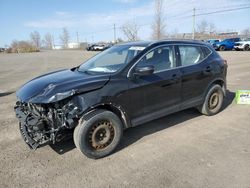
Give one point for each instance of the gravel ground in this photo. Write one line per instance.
(184, 149)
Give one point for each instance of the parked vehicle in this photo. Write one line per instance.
(91, 47)
(99, 47)
(243, 44)
(121, 87)
(2, 49)
(212, 41)
(226, 44)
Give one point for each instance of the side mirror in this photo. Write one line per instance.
(144, 71)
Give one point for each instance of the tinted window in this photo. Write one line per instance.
(161, 58)
(206, 51)
(190, 55)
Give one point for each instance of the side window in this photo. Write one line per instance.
(190, 55)
(161, 58)
(206, 51)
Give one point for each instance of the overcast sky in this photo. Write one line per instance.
(94, 20)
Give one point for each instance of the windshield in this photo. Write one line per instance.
(245, 39)
(111, 60)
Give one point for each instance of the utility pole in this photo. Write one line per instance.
(77, 37)
(193, 23)
(53, 42)
(114, 34)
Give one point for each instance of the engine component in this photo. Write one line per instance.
(42, 124)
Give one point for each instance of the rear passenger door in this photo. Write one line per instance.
(196, 72)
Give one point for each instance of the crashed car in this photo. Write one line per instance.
(121, 87)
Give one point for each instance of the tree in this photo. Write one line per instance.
(206, 27)
(65, 37)
(48, 41)
(35, 39)
(119, 40)
(202, 27)
(246, 32)
(130, 30)
(158, 25)
(211, 28)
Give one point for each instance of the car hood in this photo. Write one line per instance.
(221, 42)
(56, 86)
(242, 42)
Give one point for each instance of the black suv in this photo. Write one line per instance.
(124, 86)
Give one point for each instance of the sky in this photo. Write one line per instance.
(94, 20)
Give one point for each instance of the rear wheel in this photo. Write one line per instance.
(213, 101)
(222, 48)
(99, 134)
(246, 48)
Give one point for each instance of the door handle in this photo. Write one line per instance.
(207, 70)
(174, 78)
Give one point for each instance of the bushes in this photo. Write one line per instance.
(22, 47)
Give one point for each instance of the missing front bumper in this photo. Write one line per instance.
(28, 140)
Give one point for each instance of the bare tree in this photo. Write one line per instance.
(158, 25)
(119, 40)
(202, 27)
(35, 39)
(246, 32)
(65, 37)
(48, 41)
(130, 30)
(211, 28)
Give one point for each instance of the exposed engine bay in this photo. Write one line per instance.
(42, 124)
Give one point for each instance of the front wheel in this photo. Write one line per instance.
(98, 134)
(213, 101)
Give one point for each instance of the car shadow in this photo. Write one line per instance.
(230, 96)
(134, 134)
(3, 94)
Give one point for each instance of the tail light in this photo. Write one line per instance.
(225, 62)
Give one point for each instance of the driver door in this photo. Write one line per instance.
(158, 94)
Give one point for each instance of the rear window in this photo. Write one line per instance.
(191, 54)
(206, 51)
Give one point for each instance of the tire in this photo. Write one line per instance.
(98, 134)
(222, 48)
(213, 101)
(246, 48)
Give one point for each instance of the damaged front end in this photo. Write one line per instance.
(42, 124)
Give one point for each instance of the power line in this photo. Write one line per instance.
(223, 7)
(213, 12)
(177, 17)
(221, 11)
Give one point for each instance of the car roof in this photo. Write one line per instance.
(159, 42)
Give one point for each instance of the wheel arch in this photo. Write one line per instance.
(218, 81)
(118, 110)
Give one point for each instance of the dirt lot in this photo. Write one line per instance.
(181, 150)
